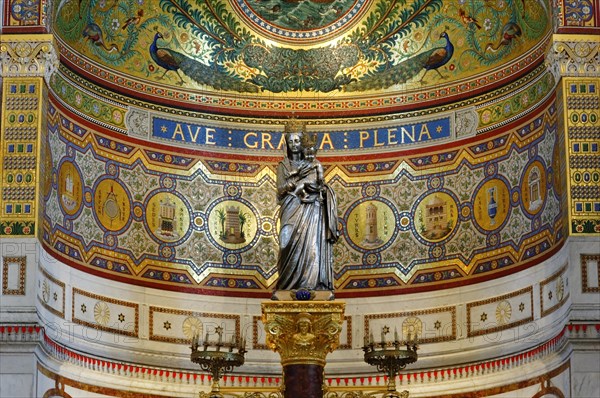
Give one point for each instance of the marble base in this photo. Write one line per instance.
(316, 295)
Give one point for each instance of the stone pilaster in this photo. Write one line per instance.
(575, 62)
(25, 62)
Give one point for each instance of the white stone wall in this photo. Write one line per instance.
(561, 341)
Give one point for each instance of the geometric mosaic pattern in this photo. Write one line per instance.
(582, 120)
(19, 154)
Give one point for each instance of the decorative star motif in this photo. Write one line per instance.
(483, 317)
(385, 330)
(83, 308)
(167, 325)
(437, 325)
(219, 330)
(121, 318)
(521, 307)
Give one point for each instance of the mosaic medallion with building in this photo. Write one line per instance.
(436, 216)
(232, 224)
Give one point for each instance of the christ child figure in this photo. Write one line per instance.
(311, 181)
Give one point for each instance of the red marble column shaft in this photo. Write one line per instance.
(303, 381)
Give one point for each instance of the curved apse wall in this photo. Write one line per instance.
(156, 214)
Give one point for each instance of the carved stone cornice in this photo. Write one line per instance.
(574, 55)
(303, 332)
(28, 55)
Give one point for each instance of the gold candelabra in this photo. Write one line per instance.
(217, 357)
(390, 358)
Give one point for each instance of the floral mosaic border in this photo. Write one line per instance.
(494, 108)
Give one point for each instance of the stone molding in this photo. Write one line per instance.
(574, 55)
(28, 55)
(93, 371)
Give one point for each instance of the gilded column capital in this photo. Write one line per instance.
(574, 55)
(28, 55)
(303, 332)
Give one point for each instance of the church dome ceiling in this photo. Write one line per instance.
(268, 57)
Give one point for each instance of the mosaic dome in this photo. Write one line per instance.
(267, 57)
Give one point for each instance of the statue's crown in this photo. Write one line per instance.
(309, 140)
(294, 125)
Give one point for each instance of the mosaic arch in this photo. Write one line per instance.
(311, 56)
(414, 216)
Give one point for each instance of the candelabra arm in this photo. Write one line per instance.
(216, 362)
(390, 359)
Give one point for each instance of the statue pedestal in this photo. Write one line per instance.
(303, 333)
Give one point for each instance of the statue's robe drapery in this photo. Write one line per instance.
(308, 228)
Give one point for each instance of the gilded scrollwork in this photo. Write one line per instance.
(31, 55)
(574, 55)
(300, 334)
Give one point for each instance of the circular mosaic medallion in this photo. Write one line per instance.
(301, 21)
(232, 224)
(436, 216)
(533, 187)
(370, 190)
(404, 222)
(371, 224)
(231, 259)
(70, 188)
(371, 259)
(491, 205)
(232, 190)
(167, 217)
(111, 205)
(166, 251)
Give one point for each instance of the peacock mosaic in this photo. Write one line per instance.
(280, 52)
(195, 220)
